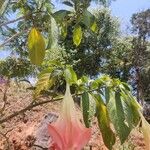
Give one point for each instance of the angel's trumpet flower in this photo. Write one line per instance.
(67, 132)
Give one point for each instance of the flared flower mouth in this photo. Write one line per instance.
(68, 133)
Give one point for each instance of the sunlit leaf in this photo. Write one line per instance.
(94, 27)
(77, 35)
(44, 81)
(36, 45)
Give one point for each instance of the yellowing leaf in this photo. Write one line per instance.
(36, 45)
(94, 27)
(77, 35)
(104, 122)
(44, 81)
(146, 131)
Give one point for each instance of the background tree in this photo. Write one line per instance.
(141, 53)
(96, 44)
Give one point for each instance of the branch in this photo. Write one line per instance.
(12, 21)
(35, 104)
(4, 97)
(11, 38)
(29, 107)
(20, 18)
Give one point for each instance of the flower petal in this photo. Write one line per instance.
(56, 137)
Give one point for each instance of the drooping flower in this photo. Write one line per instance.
(67, 132)
(146, 131)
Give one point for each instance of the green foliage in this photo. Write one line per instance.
(96, 47)
(16, 67)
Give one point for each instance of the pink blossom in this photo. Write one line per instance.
(67, 132)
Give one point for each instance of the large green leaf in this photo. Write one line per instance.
(117, 116)
(70, 75)
(104, 122)
(68, 3)
(77, 35)
(36, 45)
(131, 108)
(85, 109)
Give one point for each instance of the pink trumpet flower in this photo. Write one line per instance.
(67, 132)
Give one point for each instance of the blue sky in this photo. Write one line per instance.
(125, 8)
(120, 8)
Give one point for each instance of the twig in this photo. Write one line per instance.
(11, 38)
(34, 104)
(12, 21)
(29, 107)
(5, 96)
(20, 18)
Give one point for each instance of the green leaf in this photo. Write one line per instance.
(107, 94)
(70, 75)
(117, 116)
(104, 122)
(131, 108)
(36, 45)
(44, 81)
(68, 3)
(60, 15)
(85, 108)
(88, 19)
(77, 35)
(84, 79)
